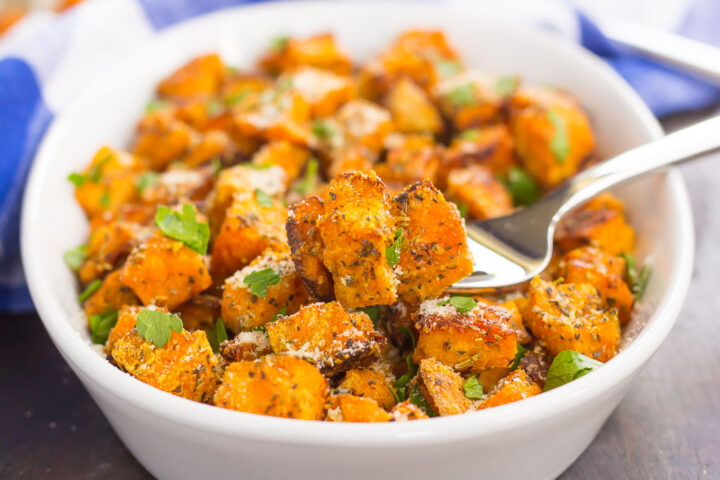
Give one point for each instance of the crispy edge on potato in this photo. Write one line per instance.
(442, 387)
(369, 382)
(516, 386)
(353, 408)
(111, 295)
(477, 188)
(246, 346)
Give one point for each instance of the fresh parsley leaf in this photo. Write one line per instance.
(559, 145)
(216, 335)
(473, 388)
(184, 227)
(101, 324)
(471, 134)
(75, 257)
(156, 326)
(263, 199)
(373, 312)
(279, 43)
(145, 180)
(447, 68)
(77, 179)
(506, 86)
(216, 164)
(155, 105)
(519, 355)
(523, 189)
(96, 170)
(105, 199)
(238, 97)
(322, 130)
(261, 328)
(461, 304)
(638, 278)
(567, 366)
(398, 395)
(392, 253)
(259, 281)
(416, 397)
(411, 365)
(279, 313)
(462, 95)
(463, 209)
(89, 290)
(309, 181)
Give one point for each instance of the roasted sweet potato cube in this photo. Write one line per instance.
(240, 85)
(469, 342)
(572, 316)
(434, 252)
(490, 377)
(516, 317)
(199, 313)
(328, 335)
(128, 212)
(243, 310)
(472, 99)
(185, 366)
(307, 247)
(516, 386)
(362, 122)
(603, 271)
(414, 158)
(352, 408)
(108, 246)
(356, 229)
(477, 188)
(212, 144)
(319, 51)
(277, 114)
(351, 158)
(127, 316)
(162, 139)
(200, 77)
(371, 382)
(490, 146)
(111, 295)
(442, 387)
(164, 272)
(249, 228)
(290, 157)
(552, 134)
(279, 386)
(246, 346)
(323, 90)
(407, 410)
(179, 185)
(411, 109)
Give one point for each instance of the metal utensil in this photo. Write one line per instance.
(512, 249)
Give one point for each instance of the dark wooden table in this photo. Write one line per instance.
(668, 426)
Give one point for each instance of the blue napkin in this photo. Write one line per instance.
(33, 89)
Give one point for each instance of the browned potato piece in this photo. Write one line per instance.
(414, 158)
(249, 228)
(472, 99)
(185, 366)
(277, 114)
(369, 382)
(178, 185)
(327, 334)
(162, 139)
(351, 158)
(442, 388)
(125, 324)
(164, 272)
(111, 295)
(239, 85)
(279, 386)
(571, 316)
(603, 271)
(291, 158)
(246, 346)
(552, 134)
(491, 146)
(476, 187)
(244, 310)
(411, 109)
(407, 410)
(307, 247)
(362, 122)
(434, 252)
(319, 51)
(516, 386)
(323, 90)
(199, 313)
(351, 408)
(109, 244)
(470, 342)
(490, 377)
(201, 77)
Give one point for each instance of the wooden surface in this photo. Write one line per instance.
(668, 426)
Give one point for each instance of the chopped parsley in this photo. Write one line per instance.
(412, 367)
(470, 134)
(506, 86)
(309, 181)
(519, 355)
(474, 389)
(373, 312)
(145, 180)
(418, 399)
(101, 324)
(184, 227)
(216, 163)
(638, 278)
(216, 335)
(462, 95)
(559, 145)
(263, 199)
(392, 253)
(156, 327)
(567, 366)
(105, 199)
(322, 130)
(447, 68)
(77, 179)
(279, 43)
(93, 175)
(461, 304)
(463, 209)
(280, 313)
(234, 98)
(89, 290)
(259, 281)
(75, 257)
(523, 189)
(155, 105)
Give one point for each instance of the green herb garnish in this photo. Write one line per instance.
(559, 145)
(216, 163)
(447, 68)
(506, 86)
(279, 43)
(418, 399)
(184, 227)
(470, 135)
(261, 328)
(322, 130)
(412, 367)
(392, 253)
(373, 312)
(279, 313)
(89, 290)
(77, 179)
(461, 304)
(75, 257)
(259, 281)
(263, 199)
(473, 388)
(309, 181)
(638, 278)
(519, 355)
(216, 335)
(155, 105)
(145, 180)
(214, 107)
(101, 324)
(463, 95)
(96, 170)
(523, 189)
(236, 98)
(567, 366)
(105, 199)
(463, 209)
(156, 326)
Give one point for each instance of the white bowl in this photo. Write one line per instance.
(176, 438)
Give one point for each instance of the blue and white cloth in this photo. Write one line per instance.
(46, 58)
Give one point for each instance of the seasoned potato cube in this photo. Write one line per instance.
(162, 139)
(442, 388)
(571, 316)
(319, 51)
(307, 247)
(246, 346)
(199, 313)
(351, 158)
(351, 408)
(476, 187)
(552, 134)
(516, 317)
(249, 228)
(200, 77)
(414, 158)
(516, 386)
(407, 410)
(163, 271)
(128, 212)
(279, 386)
(243, 310)
(434, 252)
(356, 229)
(178, 185)
(185, 366)
(490, 146)
(291, 158)
(411, 109)
(111, 295)
(239, 85)
(370, 382)
(109, 244)
(127, 315)
(277, 114)
(472, 99)
(323, 90)
(362, 122)
(325, 333)
(214, 143)
(470, 342)
(604, 272)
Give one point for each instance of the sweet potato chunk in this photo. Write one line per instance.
(362, 122)
(179, 185)
(516, 386)
(351, 408)
(476, 187)
(407, 410)
(571, 316)
(350, 158)
(246, 346)
(291, 158)
(161, 139)
(325, 333)
(442, 388)
(434, 252)
(279, 386)
(108, 246)
(414, 158)
(356, 229)
(111, 295)
(127, 316)
(243, 310)
(319, 51)
(185, 366)
(604, 272)
(164, 272)
(323, 90)
(369, 382)
(277, 114)
(199, 313)
(412, 110)
(472, 99)
(490, 146)
(307, 247)
(470, 342)
(201, 77)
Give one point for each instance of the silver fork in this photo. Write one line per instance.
(511, 250)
